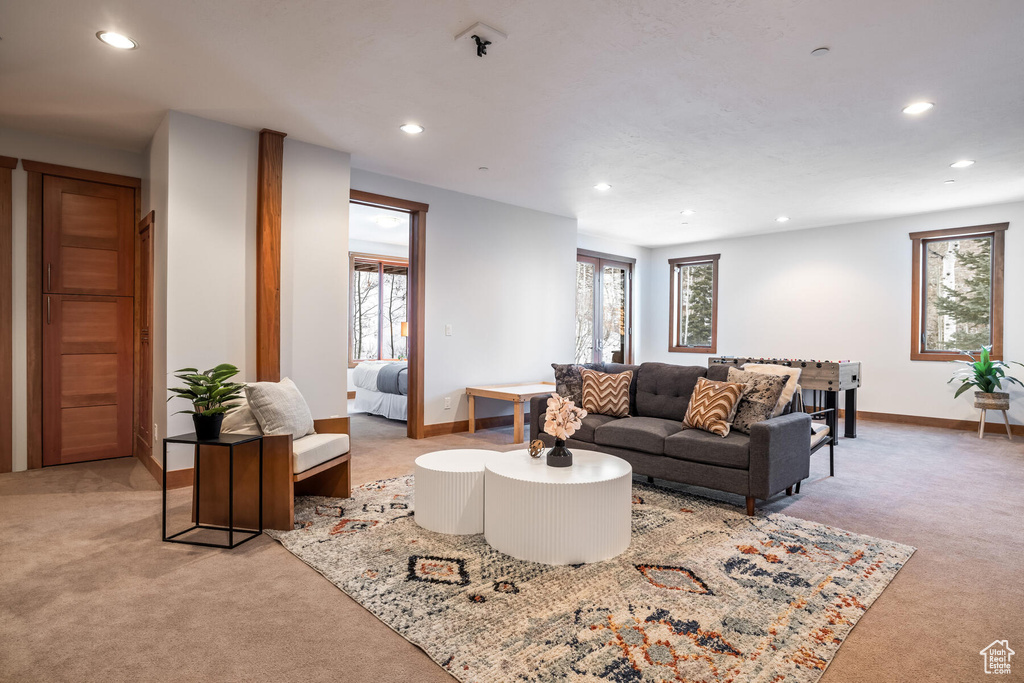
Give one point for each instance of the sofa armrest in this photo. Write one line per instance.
(780, 453)
(331, 425)
(538, 406)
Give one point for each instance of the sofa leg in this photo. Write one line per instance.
(650, 480)
(798, 485)
(789, 490)
(750, 506)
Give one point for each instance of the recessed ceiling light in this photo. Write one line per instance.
(782, 219)
(121, 42)
(918, 107)
(963, 163)
(819, 51)
(604, 187)
(411, 128)
(483, 168)
(947, 182)
(684, 223)
(387, 221)
(688, 212)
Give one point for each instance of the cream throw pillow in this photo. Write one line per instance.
(792, 375)
(240, 420)
(280, 408)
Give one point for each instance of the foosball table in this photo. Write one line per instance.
(827, 376)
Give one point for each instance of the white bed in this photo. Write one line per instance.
(369, 400)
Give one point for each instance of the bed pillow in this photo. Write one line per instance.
(569, 381)
(758, 401)
(279, 408)
(793, 378)
(605, 394)
(711, 405)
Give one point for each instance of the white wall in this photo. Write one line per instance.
(54, 150)
(314, 275)
(839, 293)
(642, 256)
(503, 277)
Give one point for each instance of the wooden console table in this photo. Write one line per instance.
(518, 394)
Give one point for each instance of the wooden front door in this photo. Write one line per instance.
(88, 317)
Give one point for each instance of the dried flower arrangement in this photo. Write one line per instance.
(562, 418)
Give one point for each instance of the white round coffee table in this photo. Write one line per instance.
(558, 515)
(449, 489)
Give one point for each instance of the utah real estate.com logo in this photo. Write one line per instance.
(997, 657)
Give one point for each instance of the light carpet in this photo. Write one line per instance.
(704, 593)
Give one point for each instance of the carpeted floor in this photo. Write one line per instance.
(89, 593)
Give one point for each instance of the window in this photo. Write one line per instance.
(957, 292)
(693, 304)
(378, 291)
(604, 328)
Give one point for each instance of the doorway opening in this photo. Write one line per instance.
(386, 305)
(604, 308)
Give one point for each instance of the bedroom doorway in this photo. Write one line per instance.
(385, 346)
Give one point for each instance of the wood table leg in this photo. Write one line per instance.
(472, 414)
(517, 425)
(1006, 421)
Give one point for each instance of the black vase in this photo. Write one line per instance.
(559, 456)
(207, 426)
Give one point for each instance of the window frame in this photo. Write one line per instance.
(920, 240)
(381, 261)
(673, 305)
(599, 260)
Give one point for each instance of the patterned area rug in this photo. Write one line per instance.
(703, 594)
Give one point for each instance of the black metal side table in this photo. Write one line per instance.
(229, 441)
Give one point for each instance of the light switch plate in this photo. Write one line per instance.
(448, 329)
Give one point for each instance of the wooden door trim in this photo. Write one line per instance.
(417, 298)
(6, 310)
(270, 170)
(81, 174)
(147, 223)
(34, 288)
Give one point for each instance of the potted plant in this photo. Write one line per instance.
(210, 393)
(561, 420)
(987, 376)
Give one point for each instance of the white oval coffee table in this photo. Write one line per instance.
(449, 488)
(558, 515)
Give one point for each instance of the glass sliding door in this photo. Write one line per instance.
(603, 310)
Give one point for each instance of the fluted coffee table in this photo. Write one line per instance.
(558, 515)
(450, 491)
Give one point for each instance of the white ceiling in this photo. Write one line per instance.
(714, 105)
(363, 225)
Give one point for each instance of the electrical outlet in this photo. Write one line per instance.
(447, 402)
(448, 329)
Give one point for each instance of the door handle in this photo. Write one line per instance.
(47, 310)
(49, 268)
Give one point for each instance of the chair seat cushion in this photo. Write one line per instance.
(591, 423)
(711, 449)
(645, 434)
(819, 432)
(316, 449)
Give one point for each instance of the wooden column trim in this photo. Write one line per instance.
(268, 255)
(417, 298)
(6, 315)
(34, 320)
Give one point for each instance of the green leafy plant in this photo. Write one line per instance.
(984, 373)
(209, 390)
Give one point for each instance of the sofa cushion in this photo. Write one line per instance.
(605, 394)
(619, 368)
(712, 405)
(316, 449)
(569, 381)
(792, 382)
(280, 408)
(646, 434)
(711, 449)
(664, 390)
(719, 372)
(590, 423)
(758, 402)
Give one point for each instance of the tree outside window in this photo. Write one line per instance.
(379, 304)
(693, 326)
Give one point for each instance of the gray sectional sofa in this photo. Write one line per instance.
(774, 457)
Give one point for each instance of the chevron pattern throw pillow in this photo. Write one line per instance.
(711, 405)
(606, 394)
